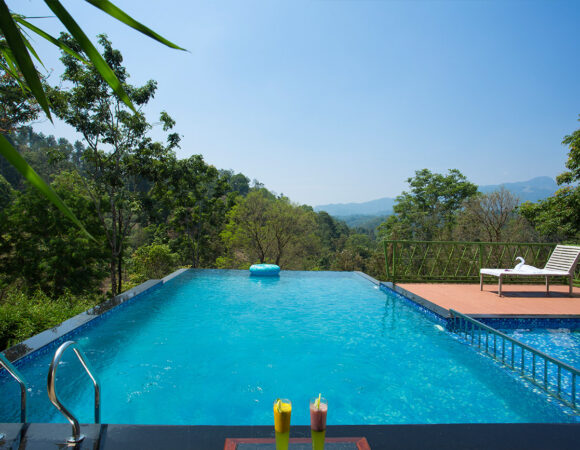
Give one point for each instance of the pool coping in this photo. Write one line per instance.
(500, 436)
(52, 335)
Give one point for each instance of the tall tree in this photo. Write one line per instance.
(45, 250)
(247, 227)
(17, 105)
(119, 153)
(492, 217)
(428, 211)
(238, 182)
(194, 194)
(263, 228)
(558, 217)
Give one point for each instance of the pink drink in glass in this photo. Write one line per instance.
(318, 411)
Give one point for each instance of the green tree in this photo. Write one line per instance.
(17, 105)
(333, 233)
(119, 154)
(492, 217)
(263, 228)
(573, 162)
(193, 193)
(558, 217)
(247, 228)
(6, 197)
(50, 156)
(152, 261)
(238, 182)
(292, 229)
(429, 210)
(45, 250)
(6, 194)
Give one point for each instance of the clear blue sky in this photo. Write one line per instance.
(341, 101)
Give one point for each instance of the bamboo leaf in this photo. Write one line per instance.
(20, 164)
(50, 39)
(9, 71)
(7, 54)
(122, 16)
(31, 50)
(90, 50)
(25, 65)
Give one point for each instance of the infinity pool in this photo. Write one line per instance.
(217, 347)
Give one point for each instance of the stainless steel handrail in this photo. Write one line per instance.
(499, 354)
(23, 385)
(77, 436)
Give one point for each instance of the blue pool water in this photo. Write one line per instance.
(562, 344)
(217, 347)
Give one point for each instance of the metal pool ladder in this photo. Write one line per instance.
(76, 429)
(23, 387)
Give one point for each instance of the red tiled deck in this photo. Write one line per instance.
(517, 300)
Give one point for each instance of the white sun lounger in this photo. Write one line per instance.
(562, 263)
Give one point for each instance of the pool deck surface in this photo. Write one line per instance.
(517, 300)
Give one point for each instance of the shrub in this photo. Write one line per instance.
(23, 315)
(152, 262)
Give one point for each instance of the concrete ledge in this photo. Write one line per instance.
(499, 436)
(368, 277)
(173, 275)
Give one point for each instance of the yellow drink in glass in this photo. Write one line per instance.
(282, 413)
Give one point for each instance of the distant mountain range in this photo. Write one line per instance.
(532, 190)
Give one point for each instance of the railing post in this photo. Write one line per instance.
(394, 262)
(552, 385)
(386, 261)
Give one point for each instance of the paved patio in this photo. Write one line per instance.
(517, 300)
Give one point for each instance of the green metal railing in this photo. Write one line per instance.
(554, 377)
(460, 262)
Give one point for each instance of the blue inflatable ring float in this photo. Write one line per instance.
(265, 270)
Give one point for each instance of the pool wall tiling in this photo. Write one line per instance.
(572, 323)
(48, 340)
(429, 309)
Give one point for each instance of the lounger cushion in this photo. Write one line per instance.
(524, 273)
